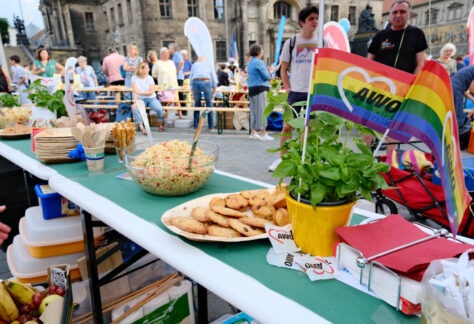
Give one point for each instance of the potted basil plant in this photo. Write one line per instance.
(338, 166)
(41, 97)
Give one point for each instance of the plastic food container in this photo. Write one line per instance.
(53, 204)
(27, 269)
(49, 238)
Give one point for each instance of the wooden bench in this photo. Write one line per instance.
(232, 102)
(218, 110)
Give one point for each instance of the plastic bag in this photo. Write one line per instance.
(447, 291)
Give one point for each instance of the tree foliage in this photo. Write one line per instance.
(4, 26)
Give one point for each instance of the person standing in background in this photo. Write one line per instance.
(5, 82)
(131, 62)
(179, 64)
(203, 80)
(446, 55)
(258, 85)
(45, 66)
(299, 59)
(19, 77)
(4, 228)
(187, 72)
(462, 83)
(88, 78)
(164, 71)
(186, 66)
(111, 67)
(401, 46)
(151, 58)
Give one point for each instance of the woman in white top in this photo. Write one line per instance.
(142, 85)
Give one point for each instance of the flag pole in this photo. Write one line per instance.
(310, 83)
(377, 149)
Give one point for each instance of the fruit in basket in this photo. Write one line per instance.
(20, 292)
(8, 310)
(46, 301)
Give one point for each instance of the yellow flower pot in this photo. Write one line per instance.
(313, 229)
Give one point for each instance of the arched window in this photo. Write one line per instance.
(281, 8)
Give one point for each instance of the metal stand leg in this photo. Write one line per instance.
(96, 303)
(202, 305)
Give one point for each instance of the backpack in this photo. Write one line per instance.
(123, 73)
(292, 46)
(275, 121)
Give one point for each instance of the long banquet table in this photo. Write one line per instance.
(237, 272)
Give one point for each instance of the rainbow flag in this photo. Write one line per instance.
(358, 89)
(381, 97)
(428, 114)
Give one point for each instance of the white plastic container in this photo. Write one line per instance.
(28, 269)
(52, 237)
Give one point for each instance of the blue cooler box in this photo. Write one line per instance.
(468, 167)
(53, 204)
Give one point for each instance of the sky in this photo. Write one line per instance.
(29, 8)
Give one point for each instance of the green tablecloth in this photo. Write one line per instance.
(331, 299)
(69, 169)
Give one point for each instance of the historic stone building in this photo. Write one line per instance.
(91, 27)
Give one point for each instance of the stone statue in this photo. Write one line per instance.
(367, 21)
(19, 25)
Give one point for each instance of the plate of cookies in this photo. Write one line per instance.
(229, 217)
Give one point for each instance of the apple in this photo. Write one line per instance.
(46, 301)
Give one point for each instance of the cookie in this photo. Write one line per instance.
(247, 194)
(199, 213)
(218, 218)
(244, 229)
(217, 202)
(278, 199)
(188, 224)
(257, 201)
(266, 211)
(216, 230)
(237, 202)
(255, 221)
(228, 212)
(281, 217)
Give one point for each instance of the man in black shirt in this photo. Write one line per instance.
(400, 45)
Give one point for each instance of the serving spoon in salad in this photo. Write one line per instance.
(196, 137)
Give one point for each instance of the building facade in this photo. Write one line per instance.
(91, 27)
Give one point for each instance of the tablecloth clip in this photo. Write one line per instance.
(369, 277)
(354, 250)
(393, 273)
(362, 261)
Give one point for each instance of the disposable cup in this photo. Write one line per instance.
(95, 158)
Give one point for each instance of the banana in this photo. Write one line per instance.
(8, 310)
(20, 292)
